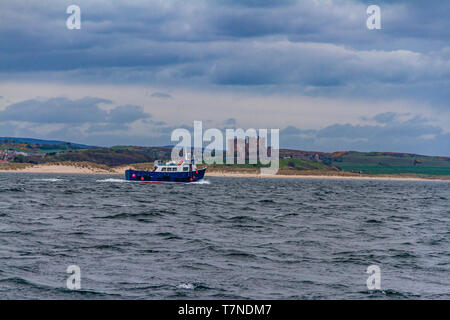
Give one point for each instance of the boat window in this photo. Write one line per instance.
(163, 169)
(185, 168)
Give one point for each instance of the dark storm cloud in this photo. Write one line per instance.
(314, 43)
(310, 47)
(386, 117)
(56, 110)
(414, 135)
(82, 121)
(291, 130)
(126, 114)
(63, 110)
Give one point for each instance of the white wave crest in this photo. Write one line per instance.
(188, 286)
(49, 180)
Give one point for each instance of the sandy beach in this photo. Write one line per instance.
(86, 169)
(331, 177)
(67, 169)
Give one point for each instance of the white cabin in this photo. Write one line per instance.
(184, 165)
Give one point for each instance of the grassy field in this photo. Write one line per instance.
(391, 163)
(440, 171)
(300, 164)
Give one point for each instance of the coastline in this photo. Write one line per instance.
(66, 169)
(321, 176)
(88, 169)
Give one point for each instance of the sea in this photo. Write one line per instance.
(223, 238)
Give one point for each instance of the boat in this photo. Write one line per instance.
(185, 171)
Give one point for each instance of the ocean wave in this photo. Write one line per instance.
(42, 287)
(143, 214)
(12, 190)
(175, 242)
(49, 179)
(187, 286)
(391, 293)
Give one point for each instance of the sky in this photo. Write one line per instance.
(136, 70)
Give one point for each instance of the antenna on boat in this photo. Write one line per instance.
(185, 153)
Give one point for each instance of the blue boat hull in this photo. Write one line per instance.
(174, 177)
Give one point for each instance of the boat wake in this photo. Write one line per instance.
(161, 182)
(111, 180)
(201, 182)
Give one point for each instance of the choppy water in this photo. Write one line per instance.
(226, 238)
